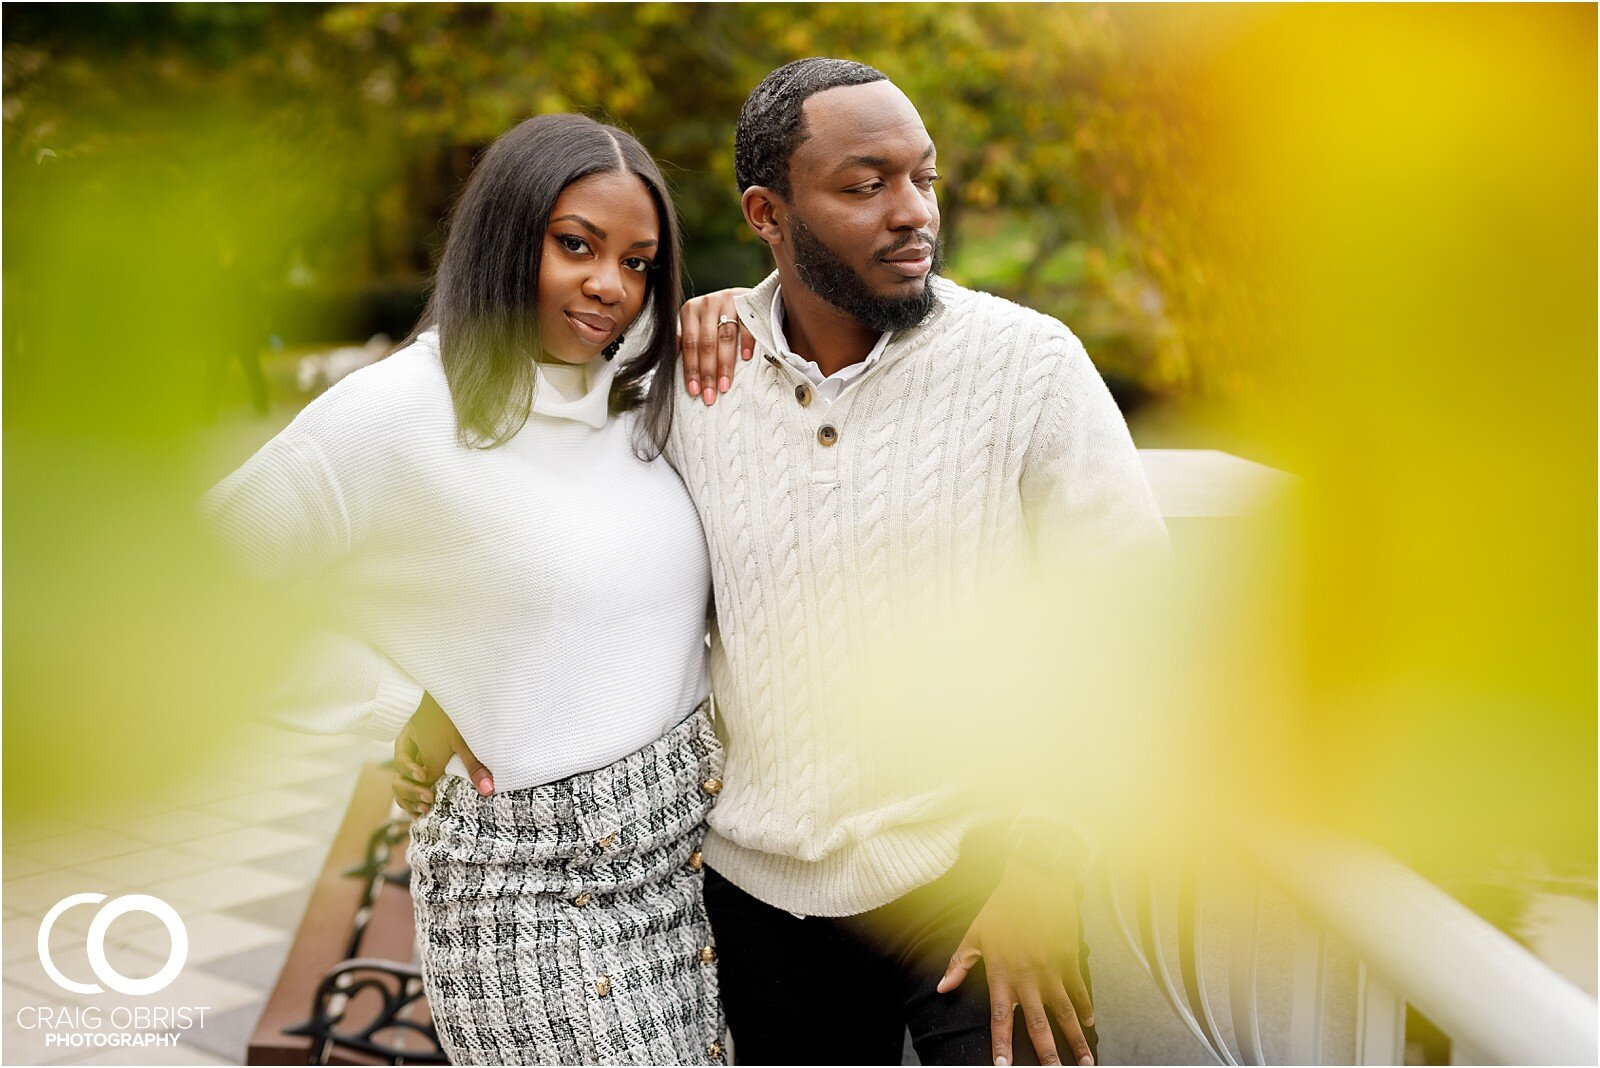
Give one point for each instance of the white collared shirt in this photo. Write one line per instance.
(828, 387)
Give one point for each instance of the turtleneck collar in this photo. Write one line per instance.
(555, 383)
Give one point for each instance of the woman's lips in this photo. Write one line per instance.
(595, 329)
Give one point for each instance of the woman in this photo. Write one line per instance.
(488, 511)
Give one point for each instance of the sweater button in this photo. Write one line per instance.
(708, 955)
(602, 986)
(712, 786)
(697, 860)
(828, 434)
(802, 393)
(715, 1049)
(583, 899)
(608, 841)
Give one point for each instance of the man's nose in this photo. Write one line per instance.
(909, 208)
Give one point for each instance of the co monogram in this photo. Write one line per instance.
(96, 944)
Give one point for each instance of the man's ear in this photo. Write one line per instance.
(762, 208)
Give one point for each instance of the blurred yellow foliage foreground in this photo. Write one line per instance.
(1405, 651)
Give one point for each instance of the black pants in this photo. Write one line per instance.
(844, 991)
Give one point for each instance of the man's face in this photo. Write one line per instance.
(863, 221)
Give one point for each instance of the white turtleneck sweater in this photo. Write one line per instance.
(550, 594)
(975, 440)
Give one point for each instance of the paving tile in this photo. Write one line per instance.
(34, 895)
(287, 771)
(257, 968)
(136, 872)
(67, 850)
(16, 865)
(172, 828)
(264, 806)
(221, 886)
(127, 807)
(31, 827)
(282, 911)
(197, 986)
(186, 1052)
(20, 936)
(236, 853)
(320, 824)
(227, 1034)
(333, 790)
(301, 864)
(244, 844)
(214, 787)
(26, 1045)
(72, 960)
(211, 934)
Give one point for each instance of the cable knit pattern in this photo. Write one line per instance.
(550, 593)
(979, 438)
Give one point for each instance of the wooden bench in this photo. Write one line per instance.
(350, 991)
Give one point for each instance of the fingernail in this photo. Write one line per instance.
(1089, 1022)
(1001, 1062)
(694, 387)
(1086, 1062)
(748, 354)
(711, 395)
(723, 383)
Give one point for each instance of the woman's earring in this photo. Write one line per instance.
(611, 350)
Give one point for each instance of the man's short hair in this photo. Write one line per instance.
(772, 121)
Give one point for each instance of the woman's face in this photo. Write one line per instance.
(594, 266)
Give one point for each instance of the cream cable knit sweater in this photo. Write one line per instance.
(550, 593)
(979, 436)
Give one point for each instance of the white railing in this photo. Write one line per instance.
(1289, 948)
(1354, 909)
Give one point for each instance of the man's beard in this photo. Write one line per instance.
(836, 282)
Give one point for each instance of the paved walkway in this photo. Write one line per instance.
(235, 855)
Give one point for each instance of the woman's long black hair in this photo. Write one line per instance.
(485, 294)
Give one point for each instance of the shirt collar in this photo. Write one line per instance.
(780, 343)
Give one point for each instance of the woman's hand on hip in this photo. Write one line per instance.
(421, 751)
(710, 336)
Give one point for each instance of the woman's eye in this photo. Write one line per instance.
(639, 264)
(573, 244)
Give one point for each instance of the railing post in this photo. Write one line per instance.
(1310, 972)
(1380, 1020)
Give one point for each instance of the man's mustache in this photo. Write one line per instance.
(919, 237)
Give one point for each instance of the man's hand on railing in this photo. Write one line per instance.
(421, 752)
(1027, 936)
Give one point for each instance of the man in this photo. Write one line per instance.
(898, 444)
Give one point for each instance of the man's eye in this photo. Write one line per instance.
(573, 244)
(870, 187)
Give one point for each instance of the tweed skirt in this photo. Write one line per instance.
(564, 924)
